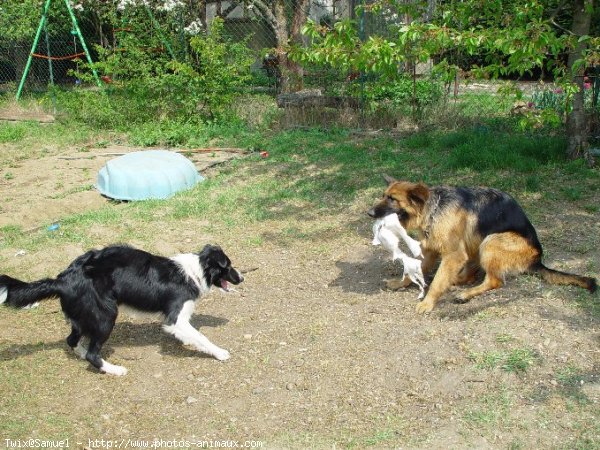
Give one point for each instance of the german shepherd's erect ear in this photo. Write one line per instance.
(419, 194)
(389, 180)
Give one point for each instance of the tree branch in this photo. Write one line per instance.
(265, 11)
(556, 11)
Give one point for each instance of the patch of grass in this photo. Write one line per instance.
(74, 190)
(421, 141)
(569, 376)
(385, 432)
(572, 193)
(379, 437)
(486, 360)
(9, 234)
(533, 183)
(571, 379)
(514, 361)
(309, 171)
(12, 132)
(587, 434)
(516, 444)
(588, 302)
(491, 150)
(255, 241)
(519, 360)
(492, 410)
(183, 134)
(20, 427)
(504, 338)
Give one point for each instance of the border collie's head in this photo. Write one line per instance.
(217, 267)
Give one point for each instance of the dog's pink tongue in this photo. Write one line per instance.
(224, 285)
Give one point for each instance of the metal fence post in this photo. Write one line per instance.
(85, 49)
(33, 47)
(362, 36)
(160, 34)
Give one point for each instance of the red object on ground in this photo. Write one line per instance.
(264, 154)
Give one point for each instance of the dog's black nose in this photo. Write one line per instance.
(371, 212)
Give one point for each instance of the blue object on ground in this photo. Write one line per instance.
(149, 174)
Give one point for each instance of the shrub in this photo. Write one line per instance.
(197, 88)
(402, 91)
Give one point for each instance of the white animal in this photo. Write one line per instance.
(387, 232)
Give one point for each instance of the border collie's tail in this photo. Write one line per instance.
(19, 294)
(557, 277)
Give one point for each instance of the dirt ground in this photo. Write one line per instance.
(322, 356)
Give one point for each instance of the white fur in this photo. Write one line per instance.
(33, 305)
(412, 269)
(387, 231)
(4, 296)
(186, 333)
(392, 223)
(80, 350)
(107, 367)
(190, 265)
(111, 369)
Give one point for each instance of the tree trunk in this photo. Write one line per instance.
(292, 73)
(430, 11)
(577, 132)
(197, 9)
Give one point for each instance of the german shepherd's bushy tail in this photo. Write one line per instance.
(18, 294)
(557, 277)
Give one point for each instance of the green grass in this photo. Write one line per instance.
(91, 118)
(519, 360)
(515, 361)
(309, 172)
(13, 132)
(570, 376)
(491, 410)
(504, 338)
(586, 301)
(486, 360)
(571, 379)
(386, 430)
(490, 154)
(74, 190)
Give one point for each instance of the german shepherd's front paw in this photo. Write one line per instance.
(460, 299)
(425, 306)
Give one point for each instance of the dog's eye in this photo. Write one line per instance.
(389, 198)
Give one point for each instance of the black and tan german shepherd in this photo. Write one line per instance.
(468, 229)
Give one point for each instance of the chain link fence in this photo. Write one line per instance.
(59, 55)
(54, 62)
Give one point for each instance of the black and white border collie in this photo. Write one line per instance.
(97, 283)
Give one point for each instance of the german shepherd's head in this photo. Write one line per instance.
(403, 198)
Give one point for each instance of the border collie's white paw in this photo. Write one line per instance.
(222, 355)
(3, 294)
(80, 350)
(111, 369)
(33, 305)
